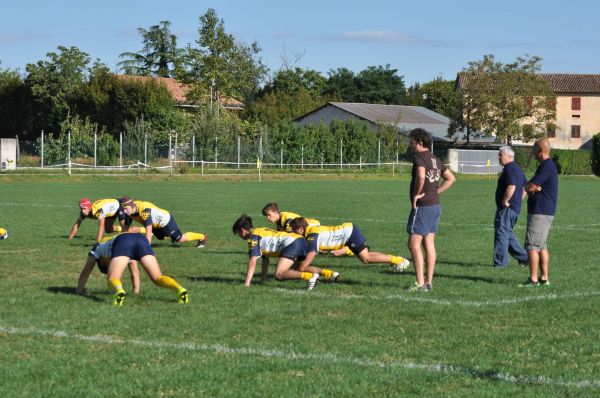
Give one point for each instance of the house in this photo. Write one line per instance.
(577, 108)
(179, 91)
(404, 117)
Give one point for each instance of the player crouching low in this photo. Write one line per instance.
(127, 247)
(289, 247)
(324, 239)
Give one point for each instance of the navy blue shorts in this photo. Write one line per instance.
(424, 220)
(357, 241)
(171, 230)
(296, 250)
(134, 246)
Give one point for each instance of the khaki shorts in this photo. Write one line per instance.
(538, 227)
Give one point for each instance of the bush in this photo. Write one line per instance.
(595, 158)
(567, 161)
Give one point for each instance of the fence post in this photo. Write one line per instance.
(260, 156)
(69, 150)
(379, 153)
(302, 158)
(202, 167)
(216, 149)
(145, 149)
(120, 149)
(360, 162)
(239, 152)
(194, 150)
(341, 154)
(95, 146)
(69, 167)
(170, 159)
(42, 149)
(175, 151)
(281, 156)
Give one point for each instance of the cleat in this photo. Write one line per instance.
(400, 267)
(119, 297)
(182, 296)
(530, 283)
(417, 288)
(202, 243)
(544, 282)
(5, 235)
(312, 282)
(335, 277)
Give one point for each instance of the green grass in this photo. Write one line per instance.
(476, 334)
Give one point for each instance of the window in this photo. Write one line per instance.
(552, 103)
(551, 133)
(575, 131)
(528, 105)
(576, 103)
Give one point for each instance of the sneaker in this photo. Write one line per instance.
(417, 288)
(5, 236)
(182, 296)
(312, 282)
(529, 283)
(544, 282)
(335, 277)
(202, 243)
(119, 297)
(400, 267)
(429, 287)
(523, 265)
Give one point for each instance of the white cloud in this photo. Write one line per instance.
(378, 36)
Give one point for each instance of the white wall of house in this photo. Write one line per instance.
(588, 118)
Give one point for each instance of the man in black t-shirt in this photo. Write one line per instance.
(425, 205)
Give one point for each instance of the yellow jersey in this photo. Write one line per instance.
(270, 243)
(286, 217)
(147, 213)
(323, 238)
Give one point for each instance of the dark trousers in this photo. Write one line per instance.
(505, 242)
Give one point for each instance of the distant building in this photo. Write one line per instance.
(577, 108)
(404, 117)
(179, 91)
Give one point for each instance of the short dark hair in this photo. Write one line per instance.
(422, 136)
(298, 222)
(270, 207)
(125, 201)
(244, 222)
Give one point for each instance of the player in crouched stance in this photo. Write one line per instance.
(265, 243)
(323, 239)
(128, 247)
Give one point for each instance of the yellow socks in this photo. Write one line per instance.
(194, 236)
(348, 251)
(305, 276)
(396, 260)
(114, 284)
(168, 282)
(117, 229)
(326, 273)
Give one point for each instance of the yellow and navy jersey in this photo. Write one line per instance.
(323, 238)
(105, 208)
(286, 217)
(102, 253)
(150, 214)
(270, 243)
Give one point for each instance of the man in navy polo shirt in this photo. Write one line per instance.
(541, 207)
(509, 193)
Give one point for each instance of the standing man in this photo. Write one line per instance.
(541, 207)
(510, 191)
(425, 205)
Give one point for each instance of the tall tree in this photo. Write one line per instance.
(159, 55)
(341, 83)
(506, 101)
(53, 84)
(376, 84)
(221, 65)
(437, 95)
(15, 104)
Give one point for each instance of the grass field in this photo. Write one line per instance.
(476, 334)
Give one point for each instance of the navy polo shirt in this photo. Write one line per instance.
(544, 202)
(511, 175)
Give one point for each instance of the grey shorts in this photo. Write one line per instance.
(538, 227)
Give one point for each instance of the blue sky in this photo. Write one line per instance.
(422, 40)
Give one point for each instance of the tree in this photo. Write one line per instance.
(220, 65)
(53, 84)
(341, 84)
(437, 95)
(376, 84)
(15, 104)
(159, 55)
(507, 101)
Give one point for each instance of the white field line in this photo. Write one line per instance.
(323, 357)
(411, 297)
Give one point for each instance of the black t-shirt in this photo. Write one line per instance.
(434, 168)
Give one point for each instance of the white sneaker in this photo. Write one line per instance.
(312, 282)
(402, 266)
(334, 277)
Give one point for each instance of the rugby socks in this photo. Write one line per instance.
(348, 251)
(114, 284)
(168, 282)
(327, 273)
(117, 228)
(193, 236)
(306, 276)
(396, 260)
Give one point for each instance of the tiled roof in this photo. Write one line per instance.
(390, 114)
(572, 83)
(179, 90)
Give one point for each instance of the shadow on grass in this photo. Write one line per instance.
(466, 278)
(469, 264)
(216, 279)
(71, 290)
